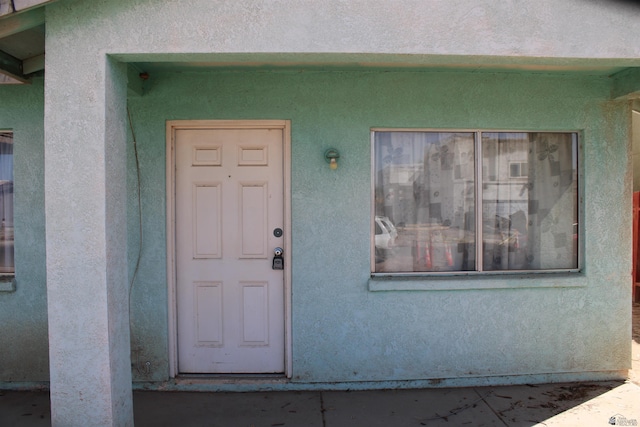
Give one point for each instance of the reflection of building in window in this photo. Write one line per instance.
(518, 170)
(522, 207)
(6, 203)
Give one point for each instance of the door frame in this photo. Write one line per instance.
(171, 127)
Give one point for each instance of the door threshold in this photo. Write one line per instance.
(231, 376)
(220, 383)
(227, 379)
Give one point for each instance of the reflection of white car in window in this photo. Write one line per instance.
(386, 233)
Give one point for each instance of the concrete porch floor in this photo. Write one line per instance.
(584, 404)
(572, 404)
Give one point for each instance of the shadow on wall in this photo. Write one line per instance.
(635, 4)
(635, 331)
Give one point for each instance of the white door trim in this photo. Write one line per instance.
(171, 127)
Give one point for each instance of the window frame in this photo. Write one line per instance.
(479, 272)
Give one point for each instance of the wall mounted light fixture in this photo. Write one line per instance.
(331, 156)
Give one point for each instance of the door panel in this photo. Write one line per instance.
(255, 314)
(253, 220)
(208, 309)
(206, 221)
(229, 199)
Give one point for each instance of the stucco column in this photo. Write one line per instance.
(85, 192)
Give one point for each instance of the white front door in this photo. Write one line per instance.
(229, 219)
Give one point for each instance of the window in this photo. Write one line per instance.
(438, 193)
(6, 204)
(518, 170)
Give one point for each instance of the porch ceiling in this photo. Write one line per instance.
(265, 61)
(238, 61)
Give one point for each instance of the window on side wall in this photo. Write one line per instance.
(438, 193)
(7, 268)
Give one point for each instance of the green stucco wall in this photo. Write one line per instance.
(341, 330)
(23, 313)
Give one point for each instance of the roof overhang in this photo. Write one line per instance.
(22, 27)
(22, 55)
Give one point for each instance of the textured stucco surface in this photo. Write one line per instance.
(85, 206)
(341, 330)
(23, 313)
(570, 29)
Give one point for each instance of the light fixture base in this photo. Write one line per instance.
(331, 154)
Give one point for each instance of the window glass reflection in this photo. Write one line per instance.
(424, 201)
(6, 203)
